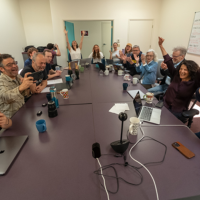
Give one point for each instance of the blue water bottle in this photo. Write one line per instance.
(53, 96)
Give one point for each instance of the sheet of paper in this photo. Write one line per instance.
(123, 106)
(134, 92)
(56, 81)
(47, 89)
(119, 107)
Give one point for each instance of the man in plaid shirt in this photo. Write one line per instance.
(13, 88)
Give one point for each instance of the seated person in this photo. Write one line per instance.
(4, 121)
(31, 52)
(96, 55)
(128, 50)
(50, 72)
(12, 88)
(185, 81)
(51, 47)
(115, 54)
(148, 68)
(178, 57)
(129, 62)
(74, 50)
(38, 64)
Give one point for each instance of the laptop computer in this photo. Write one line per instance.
(145, 113)
(85, 61)
(9, 148)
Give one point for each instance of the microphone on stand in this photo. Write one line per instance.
(120, 146)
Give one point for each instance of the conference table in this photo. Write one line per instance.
(58, 163)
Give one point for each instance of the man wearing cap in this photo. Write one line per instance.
(130, 62)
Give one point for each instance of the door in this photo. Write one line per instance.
(106, 38)
(140, 32)
(70, 28)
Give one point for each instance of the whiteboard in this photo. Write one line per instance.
(194, 42)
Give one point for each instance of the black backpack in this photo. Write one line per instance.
(41, 49)
(27, 47)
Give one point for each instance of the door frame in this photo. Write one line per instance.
(141, 20)
(112, 24)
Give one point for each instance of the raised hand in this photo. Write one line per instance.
(129, 59)
(160, 41)
(163, 66)
(65, 31)
(56, 45)
(136, 58)
(83, 33)
(110, 51)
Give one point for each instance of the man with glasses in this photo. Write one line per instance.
(178, 56)
(130, 62)
(13, 88)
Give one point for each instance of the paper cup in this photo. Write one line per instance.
(135, 123)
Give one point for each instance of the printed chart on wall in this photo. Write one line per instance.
(194, 43)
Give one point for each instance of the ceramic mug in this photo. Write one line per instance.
(120, 72)
(126, 77)
(64, 93)
(135, 81)
(135, 123)
(148, 97)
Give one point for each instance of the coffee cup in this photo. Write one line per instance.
(64, 93)
(148, 97)
(120, 72)
(67, 78)
(125, 85)
(41, 125)
(135, 81)
(135, 123)
(126, 77)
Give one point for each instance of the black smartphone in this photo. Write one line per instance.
(160, 104)
(36, 75)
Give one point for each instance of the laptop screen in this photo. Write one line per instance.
(137, 102)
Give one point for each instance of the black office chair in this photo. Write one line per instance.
(189, 114)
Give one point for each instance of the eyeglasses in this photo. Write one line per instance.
(11, 64)
(175, 56)
(149, 55)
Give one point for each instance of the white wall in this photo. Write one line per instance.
(37, 22)
(176, 22)
(12, 39)
(94, 28)
(118, 11)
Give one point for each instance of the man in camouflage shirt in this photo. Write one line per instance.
(13, 88)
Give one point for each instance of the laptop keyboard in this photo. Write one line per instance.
(146, 113)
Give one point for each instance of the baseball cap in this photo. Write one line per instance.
(129, 44)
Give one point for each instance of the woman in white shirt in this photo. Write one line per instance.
(96, 55)
(74, 50)
(115, 55)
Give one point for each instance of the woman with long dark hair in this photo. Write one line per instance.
(184, 82)
(96, 55)
(74, 50)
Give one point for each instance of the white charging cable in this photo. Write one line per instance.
(141, 163)
(103, 179)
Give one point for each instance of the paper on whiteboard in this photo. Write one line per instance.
(134, 92)
(47, 89)
(56, 81)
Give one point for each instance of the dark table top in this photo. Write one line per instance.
(80, 93)
(56, 164)
(176, 177)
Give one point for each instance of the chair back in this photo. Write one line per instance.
(158, 74)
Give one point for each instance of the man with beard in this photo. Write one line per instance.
(177, 57)
(12, 88)
(38, 64)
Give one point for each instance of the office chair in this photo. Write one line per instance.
(189, 114)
